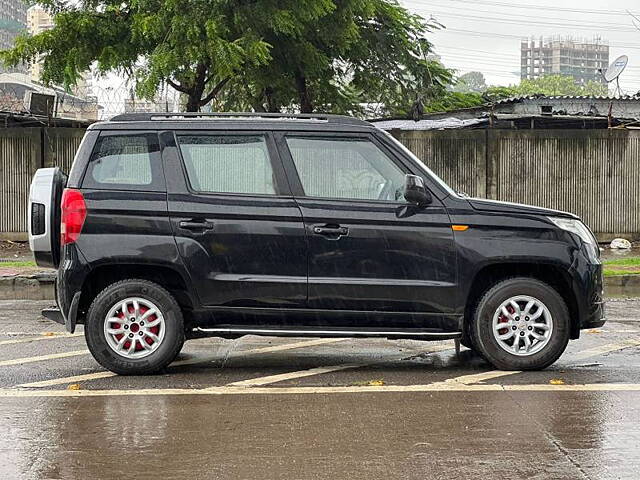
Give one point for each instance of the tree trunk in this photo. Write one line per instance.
(272, 106)
(304, 97)
(193, 103)
(194, 99)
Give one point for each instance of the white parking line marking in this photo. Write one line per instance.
(582, 355)
(252, 382)
(42, 337)
(188, 361)
(42, 358)
(232, 390)
(610, 347)
(481, 377)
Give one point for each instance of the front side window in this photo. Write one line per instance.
(228, 164)
(350, 168)
(125, 161)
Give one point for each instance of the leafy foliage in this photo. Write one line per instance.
(559, 85)
(269, 55)
(548, 85)
(471, 82)
(361, 51)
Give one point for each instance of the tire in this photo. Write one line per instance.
(163, 332)
(539, 353)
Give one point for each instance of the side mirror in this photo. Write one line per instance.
(415, 192)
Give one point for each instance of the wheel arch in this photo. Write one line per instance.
(555, 276)
(104, 275)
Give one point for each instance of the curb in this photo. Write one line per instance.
(40, 286)
(622, 286)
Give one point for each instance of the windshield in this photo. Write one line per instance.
(435, 177)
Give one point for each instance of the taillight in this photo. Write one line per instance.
(74, 211)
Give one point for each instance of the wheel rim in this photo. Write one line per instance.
(134, 327)
(522, 325)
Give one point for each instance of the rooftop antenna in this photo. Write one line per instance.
(614, 71)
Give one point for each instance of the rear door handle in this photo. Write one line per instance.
(196, 225)
(332, 231)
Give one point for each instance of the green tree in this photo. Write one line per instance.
(360, 52)
(263, 54)
(471, 82)
(559, 85)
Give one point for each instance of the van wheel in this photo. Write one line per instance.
(134, 327)
(521, 324)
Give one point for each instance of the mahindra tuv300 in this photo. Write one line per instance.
(171, 227)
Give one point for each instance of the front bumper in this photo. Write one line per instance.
(588, 286)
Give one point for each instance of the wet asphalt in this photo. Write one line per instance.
(299, 408)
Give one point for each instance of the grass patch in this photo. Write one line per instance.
(23, 263)
(611, 272)
(621, 266)
(623, 262)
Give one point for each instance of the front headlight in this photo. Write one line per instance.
(575, 226)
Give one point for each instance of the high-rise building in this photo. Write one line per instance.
(13, 20)
(38, 21)
(581, 59)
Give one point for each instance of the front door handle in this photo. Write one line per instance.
(331, 231)
(196, 225)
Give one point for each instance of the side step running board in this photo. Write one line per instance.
(323, 332)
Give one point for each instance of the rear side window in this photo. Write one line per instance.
(125, 162)
(228, 164)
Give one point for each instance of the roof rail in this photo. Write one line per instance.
(148, 117)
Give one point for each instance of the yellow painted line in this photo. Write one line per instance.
(233, 390)
(42, 358)
(42, 337)
(253, 382)
(188, 361)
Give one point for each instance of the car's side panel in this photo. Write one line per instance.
(396, 257)
(253, 255)
(515, 237)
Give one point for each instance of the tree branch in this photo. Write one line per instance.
(177, 86)
(215, 91)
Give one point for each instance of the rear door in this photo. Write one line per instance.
(368, 249)
(237, 227)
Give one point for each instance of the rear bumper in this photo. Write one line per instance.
(71, 275)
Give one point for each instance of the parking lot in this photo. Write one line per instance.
(317, 408)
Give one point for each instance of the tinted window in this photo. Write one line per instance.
(228, 164)
(125, 161)
(346, 168)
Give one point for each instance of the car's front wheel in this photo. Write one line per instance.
(134, 327)
(521, 324)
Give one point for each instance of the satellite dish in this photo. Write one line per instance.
(616, 68)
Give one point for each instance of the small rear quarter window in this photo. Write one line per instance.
(125, 162)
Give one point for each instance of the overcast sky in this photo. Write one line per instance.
(484, 35)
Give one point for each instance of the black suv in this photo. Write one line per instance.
(176, 226)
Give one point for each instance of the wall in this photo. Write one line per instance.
(593, 173)
(22, 152)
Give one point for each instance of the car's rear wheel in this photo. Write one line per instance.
(521, 324)
(134, 327)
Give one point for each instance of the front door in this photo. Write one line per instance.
(239, 231)
(369, 250)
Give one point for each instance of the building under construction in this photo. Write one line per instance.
(579, 58)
